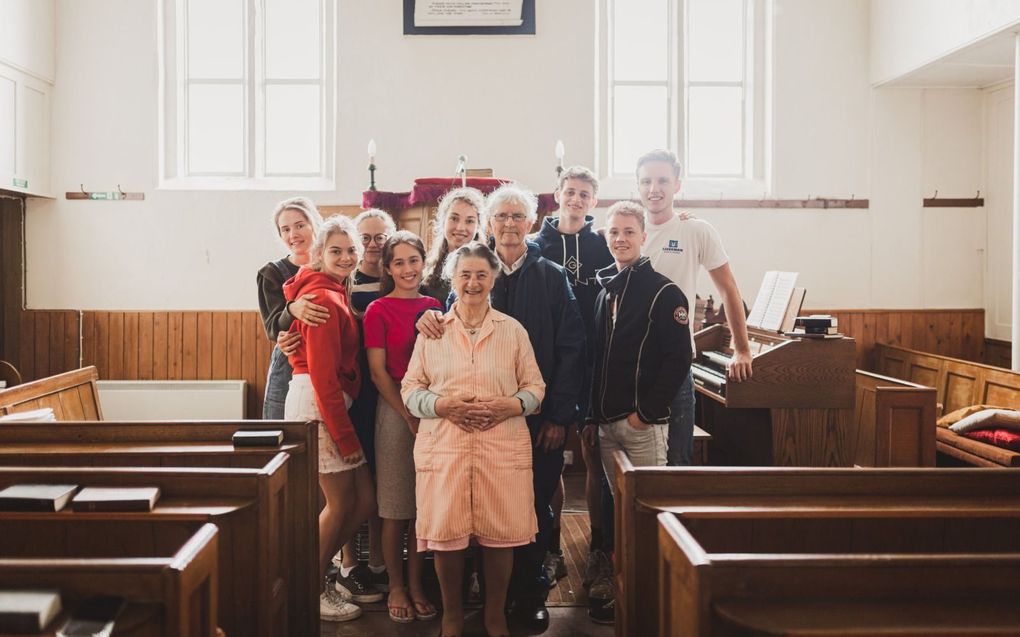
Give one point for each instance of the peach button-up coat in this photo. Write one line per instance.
(479, 483)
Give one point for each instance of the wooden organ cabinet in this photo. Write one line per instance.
(796, 410)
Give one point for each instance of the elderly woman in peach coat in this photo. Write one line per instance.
(472, 389)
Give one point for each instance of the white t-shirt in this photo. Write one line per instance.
(678, 249)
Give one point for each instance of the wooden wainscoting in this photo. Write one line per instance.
(955, 333)
(215, 345)
(42, 343)
(998, 353)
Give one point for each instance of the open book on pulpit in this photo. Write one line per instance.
(778, 302)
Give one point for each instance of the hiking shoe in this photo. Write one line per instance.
(358, 584)
(555, 567)
(603, 613)
(333, 608)
(602, 586)
(591, 568)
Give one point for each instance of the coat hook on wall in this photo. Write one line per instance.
(118, 195)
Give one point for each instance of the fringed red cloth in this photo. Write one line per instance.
(428, 191)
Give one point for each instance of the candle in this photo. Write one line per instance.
(560, 151)
(371, 151)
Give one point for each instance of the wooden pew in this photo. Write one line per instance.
(957, 384)
(169, 594)
(744, 592)
(197, 444)
(894, 421)
(644, 492)
(72, 395)
(249, 507)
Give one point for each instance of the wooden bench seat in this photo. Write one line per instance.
(169, 593)
(249, 506)
(193, 444)
(741, 591)
(645, 492)
(957, 384)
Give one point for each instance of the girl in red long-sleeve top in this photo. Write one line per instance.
(325, 382)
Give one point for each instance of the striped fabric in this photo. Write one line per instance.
(479, 483)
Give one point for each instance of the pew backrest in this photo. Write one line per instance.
(72, 395)
(895, 422)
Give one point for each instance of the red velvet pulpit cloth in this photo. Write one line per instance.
(429, 190)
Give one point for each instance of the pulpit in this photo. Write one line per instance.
(416, 210)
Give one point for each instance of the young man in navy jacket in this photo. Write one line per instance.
(642, 356)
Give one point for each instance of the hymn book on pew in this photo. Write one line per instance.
(27, 612)
(36, 497)
(116, 499)
(95, 616)
(263, 438)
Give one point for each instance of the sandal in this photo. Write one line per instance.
(400, 614)
(429, 612)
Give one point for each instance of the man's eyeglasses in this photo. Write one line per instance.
(517, 217)
(378, 238)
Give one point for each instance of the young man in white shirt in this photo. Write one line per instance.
(678, 249)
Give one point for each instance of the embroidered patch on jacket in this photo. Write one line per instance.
(680, 315)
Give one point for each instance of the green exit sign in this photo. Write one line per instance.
(19, 183)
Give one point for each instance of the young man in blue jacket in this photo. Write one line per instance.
(642, 357)
(568, 238)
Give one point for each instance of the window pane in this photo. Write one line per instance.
(215, 129)
(292, 39)
(640, 44)
(292, 129)
(715, 36)
(8, 126)
(216, 39)
(639, 124)
(715, 130)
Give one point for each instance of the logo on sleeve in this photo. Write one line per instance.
(680, 315)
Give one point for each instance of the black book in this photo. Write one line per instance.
(95, 616)
(27, 612)
(36, 497)
(115, 499)
(260, 438)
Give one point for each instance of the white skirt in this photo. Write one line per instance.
(301, 405)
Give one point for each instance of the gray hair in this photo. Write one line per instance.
(627, 209)
(337, 224)
(377, 214)
(512, 193)
(473, 249)
(303, 205)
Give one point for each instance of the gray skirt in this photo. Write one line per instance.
(394, 458)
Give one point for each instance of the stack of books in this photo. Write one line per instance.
(816, 326)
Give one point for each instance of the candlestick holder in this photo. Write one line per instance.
(371, 176)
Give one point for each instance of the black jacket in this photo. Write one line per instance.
(538, 296)
(643, 357)
(272, 305)
(581, 255)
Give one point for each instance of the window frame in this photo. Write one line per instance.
(173, 103)
(757, 137)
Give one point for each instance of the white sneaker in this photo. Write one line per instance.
(338, 559)
(333, 608)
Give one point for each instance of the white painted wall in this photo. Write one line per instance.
(26, 36)
(907, 34)
(503, 101)
(998, 104)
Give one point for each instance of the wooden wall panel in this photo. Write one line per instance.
(998, 353)
(207, 345)
(955, 333)
(47, 343)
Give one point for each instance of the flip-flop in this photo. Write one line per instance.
(394, 611)
(430, 610)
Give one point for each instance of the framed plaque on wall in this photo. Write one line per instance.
(467, 17)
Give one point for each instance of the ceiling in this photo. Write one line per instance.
(981, 64)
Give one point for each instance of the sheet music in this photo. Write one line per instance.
(773, 298)
(768, 283)
(468, 13)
